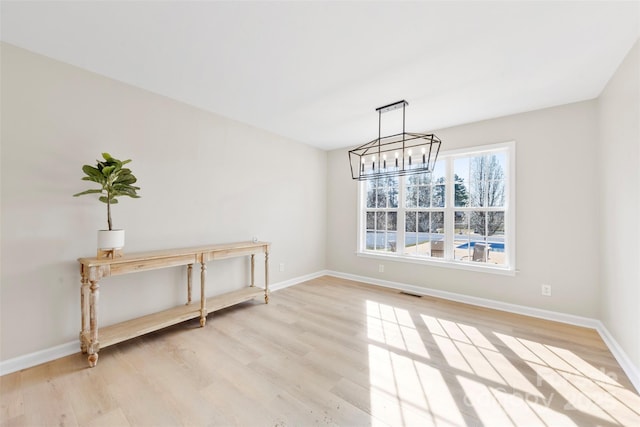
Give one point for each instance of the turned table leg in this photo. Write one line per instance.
(203, 298)
(189, 281)
(94, 345)
(266, 277)
(84, 313)
(253, 270)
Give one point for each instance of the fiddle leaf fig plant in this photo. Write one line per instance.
(114, 179)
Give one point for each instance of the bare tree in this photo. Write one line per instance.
(487, 190)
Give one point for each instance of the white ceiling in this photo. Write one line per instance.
(316, 71)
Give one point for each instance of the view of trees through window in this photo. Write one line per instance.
(457, 212)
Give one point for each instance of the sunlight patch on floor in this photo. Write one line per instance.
(406, 392)
(453, 373)
(582, 387)
(394, 327)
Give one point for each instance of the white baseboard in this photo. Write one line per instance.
(38, 357)
(297, 280)
(62, 350)
(621, 357)
(482, 302)
(628, 367)
(47, 355)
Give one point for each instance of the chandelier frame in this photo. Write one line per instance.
(400, 148)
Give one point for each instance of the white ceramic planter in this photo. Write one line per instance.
(110, 239)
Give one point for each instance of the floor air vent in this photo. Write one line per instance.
(410, 294)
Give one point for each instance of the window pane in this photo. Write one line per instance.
(423, 178)
(392, 221)
(393, 197)
(478, 223)
(371, 195)
(461, 196)
(478, 247)
(487, 180)
(410, 242)
(436, 235)
(371, 220)
(424, 220)
(423, 248)
(438, 196)
(437, 248)
(496, 166)
(495, 193)
(410, 221)
(423, 223)
(411, 180)
(495, 238)
(437, 223)
(370, 240)
(461, 168)
(439, 173)
(423, 196)
(461, 235)
(477, 194)
(411, 197)
(381, 198)
(391, 192)
(381, 220)
(391, 245)
(495, 224)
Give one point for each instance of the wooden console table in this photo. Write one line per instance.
(94, 269)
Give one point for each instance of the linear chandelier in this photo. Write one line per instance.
(394, 155)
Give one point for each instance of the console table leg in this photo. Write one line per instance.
(189, 281)
(253, 270)
(93, 360)
(94, 345)
(203, 298)
(84, 313)
(266, 277)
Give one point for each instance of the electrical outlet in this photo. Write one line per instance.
(282, 266)
(380, 268)
(546, 290)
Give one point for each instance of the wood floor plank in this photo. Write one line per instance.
(336, 352)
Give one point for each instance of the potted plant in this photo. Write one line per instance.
(115, 181)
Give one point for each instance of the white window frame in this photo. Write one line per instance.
(509, 268)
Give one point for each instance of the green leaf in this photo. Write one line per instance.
(127, 192)
(93, 179)
(91, 171)
(106, 156)
(125, 179)
(88, 192)
(106, 171)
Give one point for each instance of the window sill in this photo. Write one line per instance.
(456, 265)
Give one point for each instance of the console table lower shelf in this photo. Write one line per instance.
(129, 329)
(93, 338)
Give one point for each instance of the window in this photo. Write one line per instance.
(460, 215)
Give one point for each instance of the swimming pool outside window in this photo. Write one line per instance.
(461, 214)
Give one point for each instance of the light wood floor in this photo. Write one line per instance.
(336, 352)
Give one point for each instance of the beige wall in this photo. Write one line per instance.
(204, 179)
(557, 214)
(619, 119)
